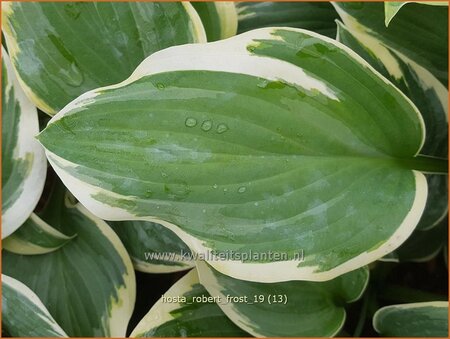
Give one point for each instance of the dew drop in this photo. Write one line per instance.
(164, 175)
(215, 186)
(225, 189)
(207, 125)
(191, 122)
(241, 189)
(256, 203)
(160, 85)
(221, 128)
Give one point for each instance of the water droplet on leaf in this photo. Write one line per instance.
(242, 189)
(191, 122)
(222, 128)
(207, 125)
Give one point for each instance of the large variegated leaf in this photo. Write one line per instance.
(315, 16)
(186, 310)
(23, 159)
(287, 309)
(431, 98)
(275, 141)
(219, 18)
(62, 49)
(419, 33)
(88, 285)
(152, 247)
(428, 319)
(23, 314)
(35, 237)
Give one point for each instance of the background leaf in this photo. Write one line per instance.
(148, 242)
(23, 160)
(23, 314)
(429, 319)
(35, 237)
(189, 317)
(219, 18)
(62, 49)
(92, 274)
(391, 8)
(419, 33)
(288, 309)
(315, 16)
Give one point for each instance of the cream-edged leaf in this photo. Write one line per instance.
(422, 245)
(219, 18)
(430, 97)
(186, 310)
(23, 314)
(62, 49)
(23, 159)
(427, 319)
(287, 309)
(93, 272)
(258, 143)
(427, 49)
(392, 7)
(35, 237)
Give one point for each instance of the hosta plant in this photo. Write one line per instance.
(291, 156)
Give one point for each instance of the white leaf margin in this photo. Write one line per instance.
(121, 307)
(33, 185)
(18, 245)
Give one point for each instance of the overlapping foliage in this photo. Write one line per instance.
(277, 163)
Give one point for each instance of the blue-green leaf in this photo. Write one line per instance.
(278, 140)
